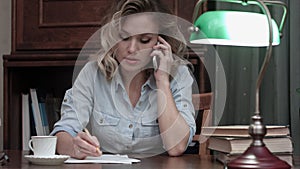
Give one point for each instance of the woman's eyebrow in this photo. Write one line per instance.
(124, 32)
(146, 34)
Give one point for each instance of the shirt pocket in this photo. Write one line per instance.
(106, 119)
(150, 127)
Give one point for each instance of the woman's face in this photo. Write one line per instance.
(138, 36)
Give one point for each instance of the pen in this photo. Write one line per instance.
(89, 134)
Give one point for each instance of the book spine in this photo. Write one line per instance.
(36, 113)
(25, 121)
(44, 118)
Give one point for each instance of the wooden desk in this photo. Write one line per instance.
(156, 162)
(187, 161)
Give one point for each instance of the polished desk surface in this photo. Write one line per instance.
(187, 161)
(16, 160)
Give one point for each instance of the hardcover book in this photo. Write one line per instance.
(233, 145)
(242, 130)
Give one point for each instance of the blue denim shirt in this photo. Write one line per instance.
(104, 107)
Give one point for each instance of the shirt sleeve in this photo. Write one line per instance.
(77, 103)
(181, 87)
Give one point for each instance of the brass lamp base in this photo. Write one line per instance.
(258, 157)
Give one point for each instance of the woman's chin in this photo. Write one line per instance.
(131, 68)
(134, 67)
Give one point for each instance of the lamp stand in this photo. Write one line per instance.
(258, 155)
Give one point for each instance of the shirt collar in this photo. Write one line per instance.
(117, 80)
(151, 82)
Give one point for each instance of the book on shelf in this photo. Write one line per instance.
(31, 119)
(36, 113)
(41, 95)
(25, 121)
(234, 145)
(242, 130)
(52, 108)
(226, 158)
(44, 117)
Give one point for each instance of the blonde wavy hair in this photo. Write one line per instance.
(109, 34)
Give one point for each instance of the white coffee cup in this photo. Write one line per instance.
(43, 145)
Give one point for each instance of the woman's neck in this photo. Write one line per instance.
(134, 79)
(133, 83)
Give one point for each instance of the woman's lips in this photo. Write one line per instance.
(131, 61)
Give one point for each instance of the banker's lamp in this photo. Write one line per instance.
(240, 28)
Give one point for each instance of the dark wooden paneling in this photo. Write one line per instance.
(46, 38)
(56, 25)
(66, 24)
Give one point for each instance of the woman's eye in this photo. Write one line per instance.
(124, 37)
(145, 40)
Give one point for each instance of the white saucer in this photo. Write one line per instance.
(47, 160)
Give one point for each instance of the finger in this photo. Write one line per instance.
(89, 139)
(158, 53)
(95, 140)
(162, 47)
(87, 144)
(90, 153)
(165, 57)
(77, 153)
(97, 143)
(163, 41)
(165, 50)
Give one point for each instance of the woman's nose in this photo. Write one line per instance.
(132, 46)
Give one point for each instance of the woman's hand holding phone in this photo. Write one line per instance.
(162, 59)
(162, 55)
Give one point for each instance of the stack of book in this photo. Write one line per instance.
(228, 142)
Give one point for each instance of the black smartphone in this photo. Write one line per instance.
(155, 61)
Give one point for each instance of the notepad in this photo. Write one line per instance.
(105, 158)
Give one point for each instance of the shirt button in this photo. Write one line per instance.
(65, 100)
(130, 126)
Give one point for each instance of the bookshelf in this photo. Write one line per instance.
(46, 38)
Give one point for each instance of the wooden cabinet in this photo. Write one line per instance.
(66, 24)
(47, 36)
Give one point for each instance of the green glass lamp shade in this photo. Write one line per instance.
(234, 28)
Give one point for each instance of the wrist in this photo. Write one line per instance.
(163, 85)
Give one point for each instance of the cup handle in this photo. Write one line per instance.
(30, 145)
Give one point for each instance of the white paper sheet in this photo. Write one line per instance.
(105, 158)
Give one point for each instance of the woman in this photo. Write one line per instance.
(128, 106)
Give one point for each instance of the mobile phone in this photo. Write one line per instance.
(155, 61)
